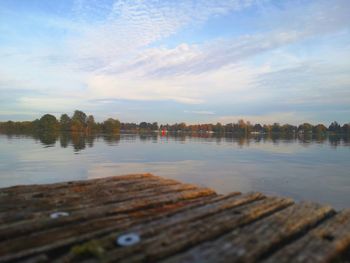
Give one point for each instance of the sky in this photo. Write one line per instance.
(176, 60)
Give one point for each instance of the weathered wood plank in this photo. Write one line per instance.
(42, 220)
(81, 202)
(252, 242)
(5, 230)
(186, 216)
(323, 244)
(158, 243)
(78, 227)
(175, 222)
(122, 222)
(76, 195)
(25, 189)
(84, 188)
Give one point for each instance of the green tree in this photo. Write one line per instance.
(258, 128)
(48, 122)
(155, 126)
(78, 123)
(305, 128)
(276, 127)
(267, 128)
(65, 122)
(143, 125)
(288, 129)
(334, 127)
(111, 126)
(91, 124)
(218, 128)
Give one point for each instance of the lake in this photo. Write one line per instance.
(315, 169)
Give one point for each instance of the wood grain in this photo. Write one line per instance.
(175, 222)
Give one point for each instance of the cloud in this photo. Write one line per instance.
(280, 117)
(123, 50)
(186, 89)
(126, 26)
(195, 73)
(200, 112)
(319, 19)
(303, 83)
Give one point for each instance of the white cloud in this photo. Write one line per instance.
(280, 117)
(129, 25)
(188, 89)
(187, 73)
(200, 112)
(49, 104)
(112, 51)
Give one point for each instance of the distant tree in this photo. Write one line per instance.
(48, 122)
(276, 127)
(181, 127)
(155, 126)
(35, 125)
(257, 128)
(229, 128)
(65, 122)
(319, 129)
(79, 116)
(249, 127)
(78, 123)
(143, 125)
(111, 126)
(267, 128)
(334, 127)
(288, 129)
(242, 127)
(129, 127)
(90, 124)
(305, 128)
(218, 128)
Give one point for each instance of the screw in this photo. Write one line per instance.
(128, 239)
(58, 214)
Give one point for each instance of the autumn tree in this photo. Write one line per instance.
(111, 126)
(305, 128)
(319, 129)
(90, 124)
(78, 123)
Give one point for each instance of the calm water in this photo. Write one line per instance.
(315, 169)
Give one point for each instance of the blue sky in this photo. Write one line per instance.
(170, 61)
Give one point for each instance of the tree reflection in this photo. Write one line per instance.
(334, 140)
(65, 139)
(111, 139)
(48, 138)
(79, 141)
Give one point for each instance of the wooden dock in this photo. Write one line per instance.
(144, 218)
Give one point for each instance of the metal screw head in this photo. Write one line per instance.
(128, 239)
(58, 214)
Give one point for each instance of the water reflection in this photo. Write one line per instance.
(306, 167)
(80, 141)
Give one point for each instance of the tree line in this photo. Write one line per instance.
(243, 127)
(79, 141)
(82, 123)
(78, 122)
